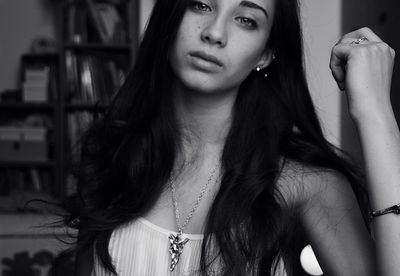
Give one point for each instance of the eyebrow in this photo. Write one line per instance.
(253, 5)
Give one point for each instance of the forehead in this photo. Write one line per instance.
(262, 6)
(262, 3)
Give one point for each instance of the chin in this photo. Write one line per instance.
(200, 82)
(204, 86)
(208, 83)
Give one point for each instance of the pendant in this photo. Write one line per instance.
(176, 244)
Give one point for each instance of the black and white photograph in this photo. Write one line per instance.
(199, 138)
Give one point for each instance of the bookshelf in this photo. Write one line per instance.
(59, 94)
(28, 130)
(98, 41)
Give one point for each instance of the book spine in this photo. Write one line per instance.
(97, 22)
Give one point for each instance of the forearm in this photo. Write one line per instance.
(380, 140)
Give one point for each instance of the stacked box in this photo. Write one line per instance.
(35, 86)
(23, 144)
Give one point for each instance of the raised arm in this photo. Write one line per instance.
(362, 65)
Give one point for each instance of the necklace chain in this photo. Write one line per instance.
(196, 204)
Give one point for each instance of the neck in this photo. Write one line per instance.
(204, 117)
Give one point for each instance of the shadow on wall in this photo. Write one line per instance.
(382, 17)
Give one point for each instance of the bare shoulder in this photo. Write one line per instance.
(304, 186)
(328, 209)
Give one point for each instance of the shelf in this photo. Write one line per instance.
(25, 164)
(98, 46)
(104, 61)
(85, 107)
(27, 105)
(44, 55)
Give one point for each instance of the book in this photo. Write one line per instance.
(92, 79)
(112, 22)
(96, 20)
(76, 17)
(78, 123)
(72, 75)
(86, 80)
(35, 179)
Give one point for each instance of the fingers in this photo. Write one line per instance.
(337, 66)
(363, 32)
(338, 63)
(346, 40)
(343, 49)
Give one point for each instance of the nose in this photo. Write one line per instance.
(215, 33)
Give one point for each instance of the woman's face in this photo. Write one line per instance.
(219, 42)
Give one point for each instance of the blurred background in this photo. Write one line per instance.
(61, 61)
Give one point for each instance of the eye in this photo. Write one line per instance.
(250, 23)
(200, 6)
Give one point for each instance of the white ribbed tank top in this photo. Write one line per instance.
(140, 248)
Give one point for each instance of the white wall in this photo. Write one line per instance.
(145, 10)
(322, 29)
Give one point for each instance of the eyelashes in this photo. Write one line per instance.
(248, 22)
(198, 6)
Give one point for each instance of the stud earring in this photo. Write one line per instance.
(258, 69)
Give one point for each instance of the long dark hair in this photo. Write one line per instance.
(127, 155)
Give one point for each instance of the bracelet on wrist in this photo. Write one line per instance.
(393, 209)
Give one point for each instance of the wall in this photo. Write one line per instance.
(145, 10)
(323, 24)
(383, 18)
(322, 29)
(20, 22)
(391, 35)
(24, 238)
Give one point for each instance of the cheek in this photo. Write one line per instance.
(187, 31)
(244, 59)
(185, 39)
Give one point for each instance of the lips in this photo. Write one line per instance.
(207, 57)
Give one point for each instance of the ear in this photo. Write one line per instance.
(266, 58)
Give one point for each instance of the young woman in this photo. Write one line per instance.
(211, 152)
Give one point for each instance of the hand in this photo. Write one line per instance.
(364, 71)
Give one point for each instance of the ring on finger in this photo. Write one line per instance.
(359, 40)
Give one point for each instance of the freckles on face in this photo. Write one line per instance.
(221, 33)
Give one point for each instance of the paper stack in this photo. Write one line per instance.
(35, 86)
